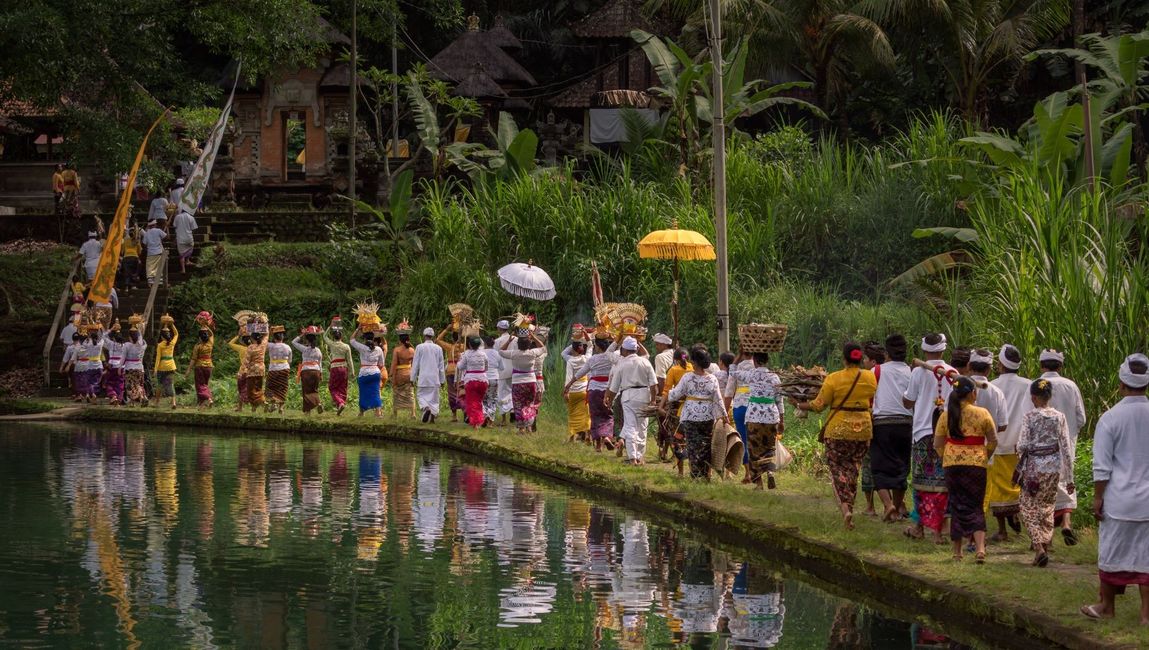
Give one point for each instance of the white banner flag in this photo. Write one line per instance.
(196, 183)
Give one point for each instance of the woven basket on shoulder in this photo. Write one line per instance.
(757, 337)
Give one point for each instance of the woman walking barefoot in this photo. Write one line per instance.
(402, 390)
(849, 428)
(965, 437)
(371, 359)
(471, 376)
(702, 405)
(201, 366)
(340, 365)
(1043, 448)
(165, 366)
(310, 368)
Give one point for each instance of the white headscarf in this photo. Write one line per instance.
(1004, 360)
(940, 346)
(1051, 355)
(1128, 377)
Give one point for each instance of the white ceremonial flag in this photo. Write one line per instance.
(196, 183)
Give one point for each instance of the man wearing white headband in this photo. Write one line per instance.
(926, 396)
(153, 241)
(429, 373)
(1067, 399)
(663, 358)
(506, 405)
(1121, 492)
(1002, 494)
(634, 383)
(90, 252)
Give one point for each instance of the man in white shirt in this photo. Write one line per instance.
(158, 210)
(1067, 399)
(893, 438)
(1001, 494)
(153, 241)
(1121, 492)
(185, 225)
(90, 252)
(177, 193)
(506, 405)
(926, 394)
(429, 373)
(634, 383)
(663, 357)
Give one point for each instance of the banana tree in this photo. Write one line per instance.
(514, 152)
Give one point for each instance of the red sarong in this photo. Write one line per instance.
(337, 385)
(202, 385)
(473, 394)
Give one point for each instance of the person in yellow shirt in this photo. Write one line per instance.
(965, 437)
(130, 267)
(201, 365)
(670, 440)
(848, 429)
(238, 344)
(165, 366)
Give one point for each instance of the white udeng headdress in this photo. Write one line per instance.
(974, 357)
(940, 346)
(1130, 378)
(1051, 355)
(1004, 360)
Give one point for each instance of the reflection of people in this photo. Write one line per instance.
(845, 633)
(758, 610)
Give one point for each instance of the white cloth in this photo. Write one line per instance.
(153, 240)
(91, 251)
(607, 125)
(574, 364)
(371, 359)
(923, 390)
(1121, 544)
(115, 354)
(175, 195)
(893, 382)
(1067, 399)
(631, 382)
(523, 362)
(598, 368)
(1121, 456)
(184, 224)
(1015, 391)
(991, 399)
(67, 332)
(763, 384)
(429, 367)
(312, 356)
(278, 356)
(662, 362)
(134, 354)
(471, 367)
(157, 210)
(703, 398)
(72, 355)
(428, 398)
(91, 354)
(505, 368)
(494, 365)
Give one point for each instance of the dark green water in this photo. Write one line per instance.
(113, 537)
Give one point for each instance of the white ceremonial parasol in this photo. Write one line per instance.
(527, 281)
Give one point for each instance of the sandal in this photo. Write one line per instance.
(980, 558)
(957, 557)
(1069, 536)
(1090, 611)
(1042, 560)
(913, 533)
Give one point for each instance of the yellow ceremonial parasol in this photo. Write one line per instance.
(676, 244)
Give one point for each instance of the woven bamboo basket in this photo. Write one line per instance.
(758, 337)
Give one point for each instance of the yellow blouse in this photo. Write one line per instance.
(201, 353)
(853, 421)
(975, 422)
(166, 353)
(674, 375)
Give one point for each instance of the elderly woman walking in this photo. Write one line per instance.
(964, 438)
(848, 429)
(1045, 462)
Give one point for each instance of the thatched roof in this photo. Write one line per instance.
(616, 19)
(455, 62)
(502, 36)
(328, 33)
(479, 85)
(339, 76)
(621, 99)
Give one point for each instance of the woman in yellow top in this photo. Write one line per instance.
(165, 366)
(848, 429)
(201, 364)
(131, 262)
(965, 437)
(238, 344)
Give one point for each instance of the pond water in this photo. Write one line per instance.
(117, 537)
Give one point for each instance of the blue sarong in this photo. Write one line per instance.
(369, 397)
(740, 425)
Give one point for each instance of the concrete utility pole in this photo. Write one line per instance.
(1079, 73)
(394, 91)
(719, 133)
(354, 121)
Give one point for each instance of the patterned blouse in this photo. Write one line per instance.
(472, 367)
(703, 397)
(201, 353)
(974, 449)
(852, 422)
(762, 406)
(312, 356)
(1044, 442)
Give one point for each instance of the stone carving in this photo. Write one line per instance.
(291, 93)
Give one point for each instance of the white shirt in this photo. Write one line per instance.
(991, 399)
(893, 382)
(632, 378)
(184, 225)
(494, 365)
(115, 354)
(429, 366)
(370, 359)
(471, 367)
(312, 356)
(504, 368)
(67, 332)
(924, 389)
(1121, 456)
(153, 240)
(72, 355)
(278, 356)
(1067, 399)
(157, 211)
(598, 367)
(1015, 393)
(575, 363)
(91, 250)
(662, 362)
(763, 406)
(739, 393)
(175, 195)
(134, 354)
(703, 398)
(522, 363)
(91, 354)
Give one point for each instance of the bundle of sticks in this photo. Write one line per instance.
(800, 383)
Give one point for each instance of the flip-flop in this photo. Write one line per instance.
(1043, 560)
(1069, 536)
(980, 558)
(913, 533)
(1090, 611)
(1014, 523)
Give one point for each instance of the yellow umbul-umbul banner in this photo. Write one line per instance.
(105, 278)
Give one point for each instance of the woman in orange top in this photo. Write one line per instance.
(965, 437)
(402, 390)
(848, 429)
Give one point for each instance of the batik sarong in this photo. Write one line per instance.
(134, 381)
(929, 481)
(698, 438)
(241, 392)
(601, 415)
(309, 385)
(202, 384)
(763, 440)
(277, 381)
(1038, 494)
(402, 392)
(474, 392)
(523, 399)
(844, 458)
(167, 382)
(578, 414)
(453, 401)
(253, 386)
(966, 486)
(1001, 494)
(491, 400)
(114, 384)
(369, 392)
(890, 452)
(91, 381)
(337, 386)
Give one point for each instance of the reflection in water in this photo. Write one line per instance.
(276, 542)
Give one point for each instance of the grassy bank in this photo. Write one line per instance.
(798, 523)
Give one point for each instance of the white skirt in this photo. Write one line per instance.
(1123, 545)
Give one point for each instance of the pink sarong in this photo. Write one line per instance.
(337, 385)
(202, 385)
